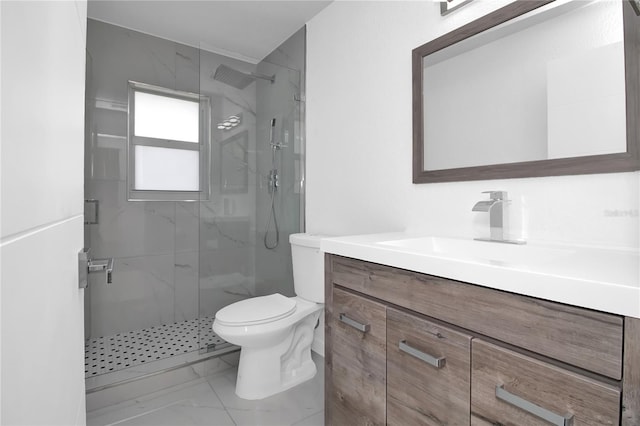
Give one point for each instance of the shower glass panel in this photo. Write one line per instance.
(147, 318)
(181, 255)
(250, 153)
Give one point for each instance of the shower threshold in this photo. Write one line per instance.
(137, 353)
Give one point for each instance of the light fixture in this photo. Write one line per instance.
(230, 122)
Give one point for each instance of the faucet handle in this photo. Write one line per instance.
(496, 195)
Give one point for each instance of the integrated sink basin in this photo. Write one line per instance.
(496, 253)
(601, 278)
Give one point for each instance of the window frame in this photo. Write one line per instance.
(203, 146)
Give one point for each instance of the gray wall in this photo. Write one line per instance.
(273, 267)
(160, 248)
(176, 261)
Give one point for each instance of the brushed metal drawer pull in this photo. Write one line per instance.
(355, 324)
(531, 408)
(431, 360)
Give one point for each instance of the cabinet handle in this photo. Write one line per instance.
(429, 359)
(355, 324)
(531, 408)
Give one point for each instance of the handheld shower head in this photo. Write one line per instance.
(273, 126)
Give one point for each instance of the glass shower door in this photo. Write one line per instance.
(147, 317)
(255, 184)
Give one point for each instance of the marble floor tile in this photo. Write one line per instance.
(286, 408)
(212, 401)
(194, 403)
(313, 420)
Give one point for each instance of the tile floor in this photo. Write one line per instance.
(123, 350)
(212, 401)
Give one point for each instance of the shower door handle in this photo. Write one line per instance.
(87, 266)
(99, 265)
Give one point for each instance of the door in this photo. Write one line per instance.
(43, 66)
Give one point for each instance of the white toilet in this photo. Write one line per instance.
(275, 332)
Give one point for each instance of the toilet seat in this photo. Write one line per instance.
(257, 310)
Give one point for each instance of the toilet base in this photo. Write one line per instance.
(266, 371)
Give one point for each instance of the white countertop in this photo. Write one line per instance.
(591, 277)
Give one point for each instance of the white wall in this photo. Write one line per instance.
(43, 71)
(359, 142)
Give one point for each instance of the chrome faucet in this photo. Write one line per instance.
(496, 206)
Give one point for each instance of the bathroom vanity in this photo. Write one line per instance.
(407, 347)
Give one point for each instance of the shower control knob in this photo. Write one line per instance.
(274, 180)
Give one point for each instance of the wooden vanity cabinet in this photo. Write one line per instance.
(512, 389)
(358, 394)
(428, 372)
(405, 348)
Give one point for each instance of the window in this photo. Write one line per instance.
(168, 144)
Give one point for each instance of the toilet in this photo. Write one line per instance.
(275, 332)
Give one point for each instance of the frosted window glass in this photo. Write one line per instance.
(166, 169)
(163, 117)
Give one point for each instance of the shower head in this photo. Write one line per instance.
(237, 79)
(233, 78)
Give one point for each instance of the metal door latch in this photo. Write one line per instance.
(87, 266)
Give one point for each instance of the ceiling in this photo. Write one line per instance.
(242, 29)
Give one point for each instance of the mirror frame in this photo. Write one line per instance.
(604, 163)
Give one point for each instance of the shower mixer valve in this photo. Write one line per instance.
(274, 180)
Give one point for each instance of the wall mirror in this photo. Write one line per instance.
(536, 88)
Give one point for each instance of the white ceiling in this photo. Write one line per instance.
(246, 30)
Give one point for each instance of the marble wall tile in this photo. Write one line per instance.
(186, 286)
(187, 68)
(225, 262)
(273, 269)
(291, 53)
(106, 154)
(130, 228)
(187, 226)
(140, 296)
(218, 291)
(222, 232)
(121, 55)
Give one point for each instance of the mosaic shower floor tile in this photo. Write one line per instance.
(123, 350)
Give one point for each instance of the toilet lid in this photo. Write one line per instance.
(257, 310)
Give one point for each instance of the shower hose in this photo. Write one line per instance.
(272, 217)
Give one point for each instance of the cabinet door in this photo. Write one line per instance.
(512, 389)
(358, 360)
(428, 372)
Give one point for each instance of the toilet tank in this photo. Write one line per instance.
(308, 266)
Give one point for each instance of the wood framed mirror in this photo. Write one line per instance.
(536, 88)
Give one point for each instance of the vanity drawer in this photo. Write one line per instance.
(358, 327)
(503, 380)
(428, 372)
(587, 339)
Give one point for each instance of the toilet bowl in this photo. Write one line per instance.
(275, 332)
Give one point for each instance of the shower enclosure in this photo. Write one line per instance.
(183, 204)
